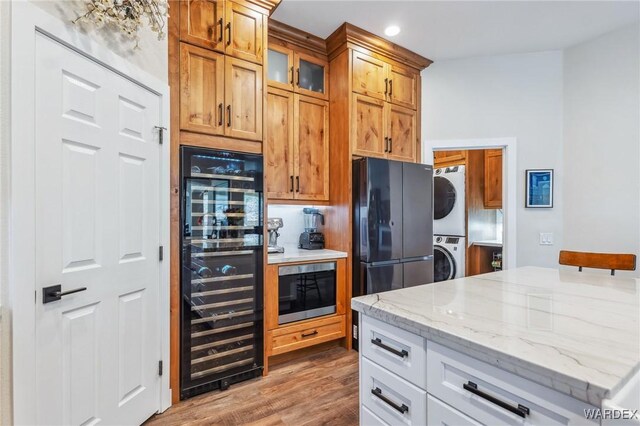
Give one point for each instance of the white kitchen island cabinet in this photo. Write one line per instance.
(528, 346)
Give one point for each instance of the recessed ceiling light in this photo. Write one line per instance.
(392, 30)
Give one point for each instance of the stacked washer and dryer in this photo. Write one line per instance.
(449, 227)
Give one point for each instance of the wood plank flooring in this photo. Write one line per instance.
(318, 389)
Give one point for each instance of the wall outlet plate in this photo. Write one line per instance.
(546, 238)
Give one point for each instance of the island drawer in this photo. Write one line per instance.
(367, 418)
(394, 400)
(491, 395)
(394, 349)
(441, 414)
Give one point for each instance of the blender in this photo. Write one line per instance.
(311, 238)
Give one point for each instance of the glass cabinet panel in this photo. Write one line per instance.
(278, 69)
(311, 76)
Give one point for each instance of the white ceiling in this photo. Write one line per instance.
(457, 29)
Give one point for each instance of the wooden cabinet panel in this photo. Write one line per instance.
(402, 133)
(243, 95)
(493, 179)
(369, 76)
(201, 90)
(448, 158)
(202, 23)
(311, 133)
(304, 334)
(403, 87)
(279, 144)
(244, 30)
(370, 128)
(312, 76)
(280, 68)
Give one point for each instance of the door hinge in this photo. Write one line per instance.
(160, 368)
(160, 133)
(161, 253)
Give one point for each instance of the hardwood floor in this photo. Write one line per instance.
(317, 389)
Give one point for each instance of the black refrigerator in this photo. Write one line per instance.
(221, 269)
(392, 227)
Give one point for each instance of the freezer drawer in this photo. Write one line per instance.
(418, 272)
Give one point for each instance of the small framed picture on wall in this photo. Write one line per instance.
(539, 188)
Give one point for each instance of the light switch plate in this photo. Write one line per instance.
(546, 238)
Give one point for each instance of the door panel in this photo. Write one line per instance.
(202, 23)
(98, 209)
(243, 93)
(402, 133)
(418, 272)
(403, 89)
(369, 76)
(381, 278)
(384, 213)
(369, 132)
(279, 145)
(244, 32)
(417, 189)
(201, 90)
(311, 134)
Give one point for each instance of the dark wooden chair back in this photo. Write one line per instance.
(612, 261)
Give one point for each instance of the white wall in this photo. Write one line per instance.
(152, 56)
(293, 220)
(506, 96)
(602, 144)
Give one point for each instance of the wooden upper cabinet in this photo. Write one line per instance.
(403, 87)
(201, 90)
(311, 133)
(243, 96)
(202, 23)
(369, 133)
(402, 133)
(369, 76)
(312, 76)
(245, 31)
(449, 158)
(279, 144)
(280, 68)
(493, 179)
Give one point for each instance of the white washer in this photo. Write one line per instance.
(448, 257)
(449, 201)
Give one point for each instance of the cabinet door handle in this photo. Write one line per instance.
(390, 145)
(386, 144)
(228, 33)
(386, 86)
(297, 183)
(520, 410)
(220, 114)
(377, 392)
(292, 75)
(229, 115)
(298, 77)
(378, 342)
(390, 87)
(221, 23)
(291, 182)
(313, 333)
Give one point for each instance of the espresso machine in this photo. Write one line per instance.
(311, 238)
(273, 224)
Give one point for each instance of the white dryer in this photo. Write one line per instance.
(448, 257)
(449, 201)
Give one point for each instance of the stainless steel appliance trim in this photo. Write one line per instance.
(221, 177)
(311, 313)
(217, 189)
(415, 259)
(221, 253)
(306, 268)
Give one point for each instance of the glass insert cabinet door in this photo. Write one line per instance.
(298, 72)
(280, 69)
(310, 76)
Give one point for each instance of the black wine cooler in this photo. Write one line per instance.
(222, 258)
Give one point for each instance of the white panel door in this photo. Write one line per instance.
(97, 226)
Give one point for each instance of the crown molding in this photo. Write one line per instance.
(267, 6)
(348, 35)
(296, 37)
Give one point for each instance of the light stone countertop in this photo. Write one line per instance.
(294, 254)
(575, 332)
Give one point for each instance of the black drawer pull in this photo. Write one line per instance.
(313, 333)
(377, 392)
(378, 342)
(520, 410)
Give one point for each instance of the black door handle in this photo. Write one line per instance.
(390, 145)
(298, 77)
(229, 115)
(291, 183)
(390, 87)
(386, 144)
(229, 34)
(221, 29)
(401, 354)
(55, 293)
(297, 183)
(377, 392)
(386, 86)
(291, 75)
(520, 410)
(313, 333)
(220, 114)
